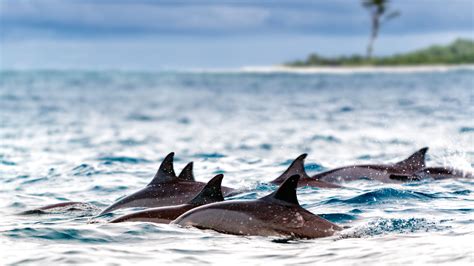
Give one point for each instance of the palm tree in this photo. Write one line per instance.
(378, 14)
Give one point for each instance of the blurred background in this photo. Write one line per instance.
(156, 35)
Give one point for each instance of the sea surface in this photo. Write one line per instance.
(95, 136)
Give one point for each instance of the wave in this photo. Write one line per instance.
(339, 217)
(383, 226)
(122, 159)
(381, 196)
(58, 234)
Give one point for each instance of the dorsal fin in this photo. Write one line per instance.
(296, 168)
(414, 163)
(287, 191)
(165, 172)
(187, 173)
(210, 193)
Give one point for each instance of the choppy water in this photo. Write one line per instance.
(96, 136)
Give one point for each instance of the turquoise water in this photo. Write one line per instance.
(97, 136)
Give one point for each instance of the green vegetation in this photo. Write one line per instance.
(460, 51)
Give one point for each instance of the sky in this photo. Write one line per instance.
(193, 34)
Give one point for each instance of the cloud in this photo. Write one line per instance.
(83, 18)
(122, 18)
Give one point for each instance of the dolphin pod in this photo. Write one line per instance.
(278, 214)
(166, 189)
(209, 194)
(186, 202)
(412, 168)
(383, 172)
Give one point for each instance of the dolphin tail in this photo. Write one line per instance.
(210, 193)
(187, 173)
(287, 191)
(166, 171)
(296, 168)
(414, 163)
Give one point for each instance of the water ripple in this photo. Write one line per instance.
(122, 159)
(95, 136)
(382, 195)
(57, 234)
(384, 226)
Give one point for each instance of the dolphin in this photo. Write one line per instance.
(165, 189)
(278, 214)
(209, 194)
(436, 173)
(381, 172)
(297, 168)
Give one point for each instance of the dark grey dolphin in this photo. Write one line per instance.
(209, 194)
(166, 189)
(381, 172)
(297, 168)
(278, 214)
(436, 173)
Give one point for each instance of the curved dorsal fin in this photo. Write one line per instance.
(413, 163)
(296, 168)
(165, 172)
(211, 192)
(187, 173)
(287, 191)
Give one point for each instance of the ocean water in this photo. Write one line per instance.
(95, 136)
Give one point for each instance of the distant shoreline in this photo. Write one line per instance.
(356, 69)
